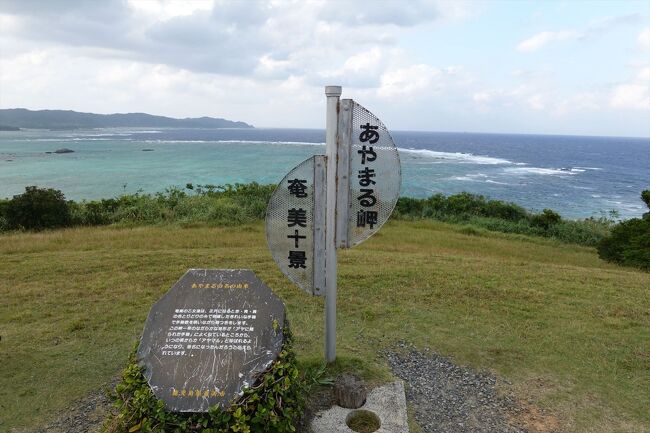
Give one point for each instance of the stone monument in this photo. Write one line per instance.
(210, 337)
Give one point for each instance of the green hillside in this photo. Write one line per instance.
(14, 118)
(570, 332)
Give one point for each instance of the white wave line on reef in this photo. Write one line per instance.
(467, 158)
(541, 171)
(298, 143)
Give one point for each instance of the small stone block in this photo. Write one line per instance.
(349, 392)
(387, 402)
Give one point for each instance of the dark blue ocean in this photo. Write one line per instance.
(577, 176)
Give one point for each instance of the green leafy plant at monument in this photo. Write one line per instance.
(273, 405)
(629, 242)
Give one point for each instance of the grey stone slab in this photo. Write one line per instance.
(210, 337)
(387, 402)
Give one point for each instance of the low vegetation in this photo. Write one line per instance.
(246, 203)
(626, 243)
(567, 330)
(216, 205)
(479, 212)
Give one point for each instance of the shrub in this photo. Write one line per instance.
(629, 242)
(645, 197)
(273, 405)
(37, 209)
(583, 232)
(4, 224)
(93, 213)
(497, 215)
(547, 219)
(458, 207)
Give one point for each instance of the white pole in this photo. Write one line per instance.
(333, 94)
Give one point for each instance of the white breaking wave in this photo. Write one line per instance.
(540, 171)
(97, 139)
(114, 134)
(465, 158)
(478, 177)
(295, 143)
(118, 132)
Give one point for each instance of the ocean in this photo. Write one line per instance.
(577, 176)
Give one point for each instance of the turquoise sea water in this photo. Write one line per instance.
(577, 176)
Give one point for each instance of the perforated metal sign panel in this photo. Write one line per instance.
(375, 175)
(290, 222)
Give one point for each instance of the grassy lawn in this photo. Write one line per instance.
(570, 332)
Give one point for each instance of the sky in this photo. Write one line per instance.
(539, 67)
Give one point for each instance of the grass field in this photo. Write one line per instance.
(570, 332)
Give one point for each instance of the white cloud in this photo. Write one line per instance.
(539, 40)
(161, 10)
(635, 94)
(644, 74)
(536, 101)
(644, 39)
(538, 96)
(410, 81)
(268, 37)
(265, 62)
(579, 103)
(483, 97)
(101, 85)
(595, 29)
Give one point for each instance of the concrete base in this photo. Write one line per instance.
(387, 402)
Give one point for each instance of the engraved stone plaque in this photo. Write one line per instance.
(210, 337)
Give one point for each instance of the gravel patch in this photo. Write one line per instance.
(448, 398)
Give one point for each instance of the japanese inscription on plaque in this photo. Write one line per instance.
(209, 337)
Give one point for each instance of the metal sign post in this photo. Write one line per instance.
(333, 94)
(331, 201)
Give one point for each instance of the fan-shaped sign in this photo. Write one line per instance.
(374, 178)
(295, 221)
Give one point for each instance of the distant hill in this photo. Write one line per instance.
(67, 119)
